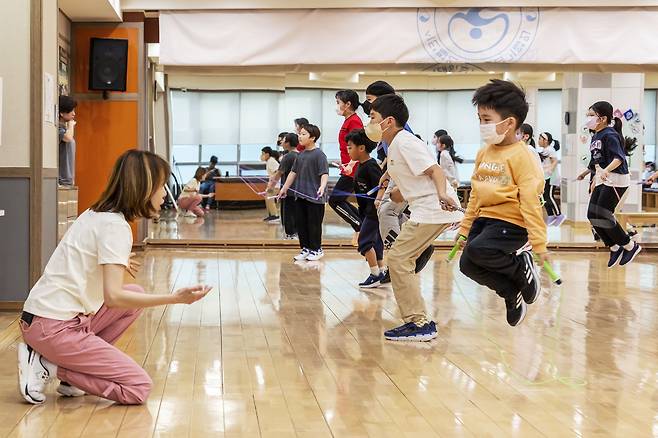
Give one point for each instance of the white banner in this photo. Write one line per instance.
(409, 36)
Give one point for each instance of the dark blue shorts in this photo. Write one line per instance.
(369, 237)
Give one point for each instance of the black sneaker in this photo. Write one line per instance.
(386, 277)
(532, 289)
(412, 332)
(628, 256)
(268, 218)
(516, 310)
(615, 256)
(425, 257)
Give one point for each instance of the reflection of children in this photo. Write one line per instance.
(504, 209)
(271, 158)
(310, 173)
(611, 181)
(367, 178)
(190, 199)
(289, 144)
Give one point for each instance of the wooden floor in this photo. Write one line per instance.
(286, 350)
(246, 226)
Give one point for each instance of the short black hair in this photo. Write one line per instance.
(312, 130)
(392, 105)
(213, 159)
(301, 121)
(292, 139)
(358, 137)
(349, 96)
(446, 140)
(504, 97)
(281, 134)
(67, 104)
(440, 132)
(380, 88)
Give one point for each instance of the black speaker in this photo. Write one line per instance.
(108, 63)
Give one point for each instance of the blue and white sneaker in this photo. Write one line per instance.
(315, 255)
(302, 255)
(412, 332)
(372, 281)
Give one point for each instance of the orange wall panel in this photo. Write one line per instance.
(105, 129)
(82, 43)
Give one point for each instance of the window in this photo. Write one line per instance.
(649, 120)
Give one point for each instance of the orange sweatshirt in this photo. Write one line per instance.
(507, 185)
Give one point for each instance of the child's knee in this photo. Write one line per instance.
(139, 392)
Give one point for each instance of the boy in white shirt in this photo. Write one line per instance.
(433, 204)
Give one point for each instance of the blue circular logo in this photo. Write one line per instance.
(477, 34)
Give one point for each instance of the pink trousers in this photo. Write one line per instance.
(192, 203)
(83, 352)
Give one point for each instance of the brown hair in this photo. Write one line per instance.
(200, 171)
(136, 175)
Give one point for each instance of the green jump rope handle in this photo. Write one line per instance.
(551, 273)
(453, 251)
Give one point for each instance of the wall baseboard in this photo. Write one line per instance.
(11, 305)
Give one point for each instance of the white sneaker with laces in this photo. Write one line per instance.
(302, 255)
(315, 255)
(66, 390)
(34, 372)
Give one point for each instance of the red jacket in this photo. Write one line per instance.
(350, 123)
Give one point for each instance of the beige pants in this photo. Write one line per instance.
(411, 242)
(270, 203)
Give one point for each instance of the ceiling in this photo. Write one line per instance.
(91, 10)
(145, 5)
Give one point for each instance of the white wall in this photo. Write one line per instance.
(50, 54)
(15, 74)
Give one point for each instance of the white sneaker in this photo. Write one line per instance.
(302, 255)
(34, 372)
(188, 213)
(70, 391)
(315, 255)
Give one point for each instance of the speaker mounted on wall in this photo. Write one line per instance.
(108, 64)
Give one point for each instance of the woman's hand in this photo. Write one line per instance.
(189, 295)
(282, 193)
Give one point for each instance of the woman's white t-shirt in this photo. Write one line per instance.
(271, 166)
(72, 282)
(190, 189)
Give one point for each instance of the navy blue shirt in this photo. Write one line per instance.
(605, 147)
(367, 178)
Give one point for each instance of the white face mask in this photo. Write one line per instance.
(374, 131)
(489, 135)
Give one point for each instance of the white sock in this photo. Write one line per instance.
(614, 248)
(629, 246)
(383, 268)
(374, 270)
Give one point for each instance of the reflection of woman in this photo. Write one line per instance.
(80, 307)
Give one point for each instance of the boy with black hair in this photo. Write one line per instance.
(299, 122)
(504, 209)
(310, 173)
(433, 204)
(208, 184)
(366, 178)
(289, 144)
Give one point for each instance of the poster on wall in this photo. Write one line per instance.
(48, 98)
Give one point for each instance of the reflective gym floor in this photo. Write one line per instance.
(296, 350)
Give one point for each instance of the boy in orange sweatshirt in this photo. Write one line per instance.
(504, 209)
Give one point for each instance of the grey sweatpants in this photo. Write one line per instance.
(391, 216)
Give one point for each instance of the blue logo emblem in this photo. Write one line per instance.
(477, 34)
